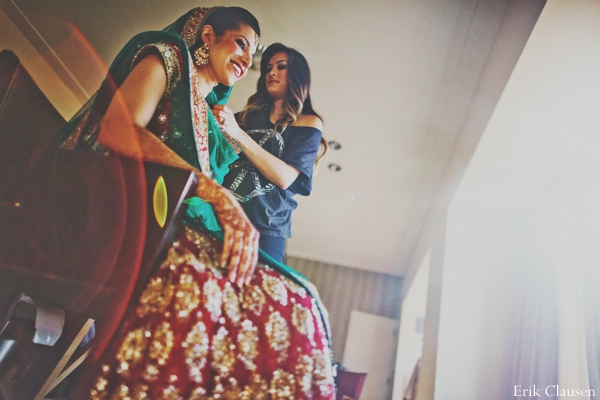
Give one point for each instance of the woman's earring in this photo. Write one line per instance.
(201, 55)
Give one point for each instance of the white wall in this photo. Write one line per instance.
(523, 226)
(410, 339)
(368, 349)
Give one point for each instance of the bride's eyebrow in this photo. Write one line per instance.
(248, 44)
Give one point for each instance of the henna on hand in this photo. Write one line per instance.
(240, 243)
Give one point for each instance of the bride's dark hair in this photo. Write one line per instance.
(224, 19)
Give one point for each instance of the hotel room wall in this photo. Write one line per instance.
(345, 289)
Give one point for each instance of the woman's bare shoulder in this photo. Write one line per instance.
(309, 120)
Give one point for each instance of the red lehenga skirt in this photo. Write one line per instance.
(194, 335)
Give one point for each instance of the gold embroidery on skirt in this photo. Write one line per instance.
(122, 391)
(304, 371)
(160, 348)
(294, 287)
(248, 344)
(131, 351)
(170, 393)
(141, 392)
(223, 353)
(151, 373)
(190, 259)
(231, 303)
(228, 390)
(302, 319)
(187, 296)
(275, 288)
(99, 391)
(283, 385)
(73, 138)
(196, 347)
(278, 334)
(206, 252)
(256, 390)
(253, 299)
(322, 373)
(198, 394)
(155, 298)
(213, 299)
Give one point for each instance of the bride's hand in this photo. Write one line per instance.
(240, 243)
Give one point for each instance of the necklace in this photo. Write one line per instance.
(200, 122)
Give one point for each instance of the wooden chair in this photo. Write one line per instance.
(26, 115)
(67, 219)
(36, 369)
(54, 250)
(349, 384)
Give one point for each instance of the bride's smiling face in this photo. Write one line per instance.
(230, 55)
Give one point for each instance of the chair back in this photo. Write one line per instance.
(26, 115)
(73, 229)
(350, 384)
(40, 345)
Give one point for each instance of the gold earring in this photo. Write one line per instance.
(201, 55)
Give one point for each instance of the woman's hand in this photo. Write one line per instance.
(240, 243)
(274, 169)
(226, 119)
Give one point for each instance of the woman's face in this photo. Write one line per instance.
(277, 75)
(231, 55)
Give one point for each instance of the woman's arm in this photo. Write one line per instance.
(133, 105)
(140, 94)
(273, 168)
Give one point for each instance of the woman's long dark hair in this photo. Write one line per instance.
(296, 100)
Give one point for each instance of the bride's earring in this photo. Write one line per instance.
(201, 55)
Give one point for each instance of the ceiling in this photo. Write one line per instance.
(406, 86)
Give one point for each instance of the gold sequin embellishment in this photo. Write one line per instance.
(192, 26)
(155, 298)
(231, 303)
(294, 287)
(131, 351)
(322, 370)
(213, 299)
(253, 299)
(256, 390)
(223, 352)
(170, 60)
(304, 372)
(275, 288)
(162, 343)
(196, 350)
(283, 385)
(248, 344)
(278, 334)
(303, 321)
(187, 296)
